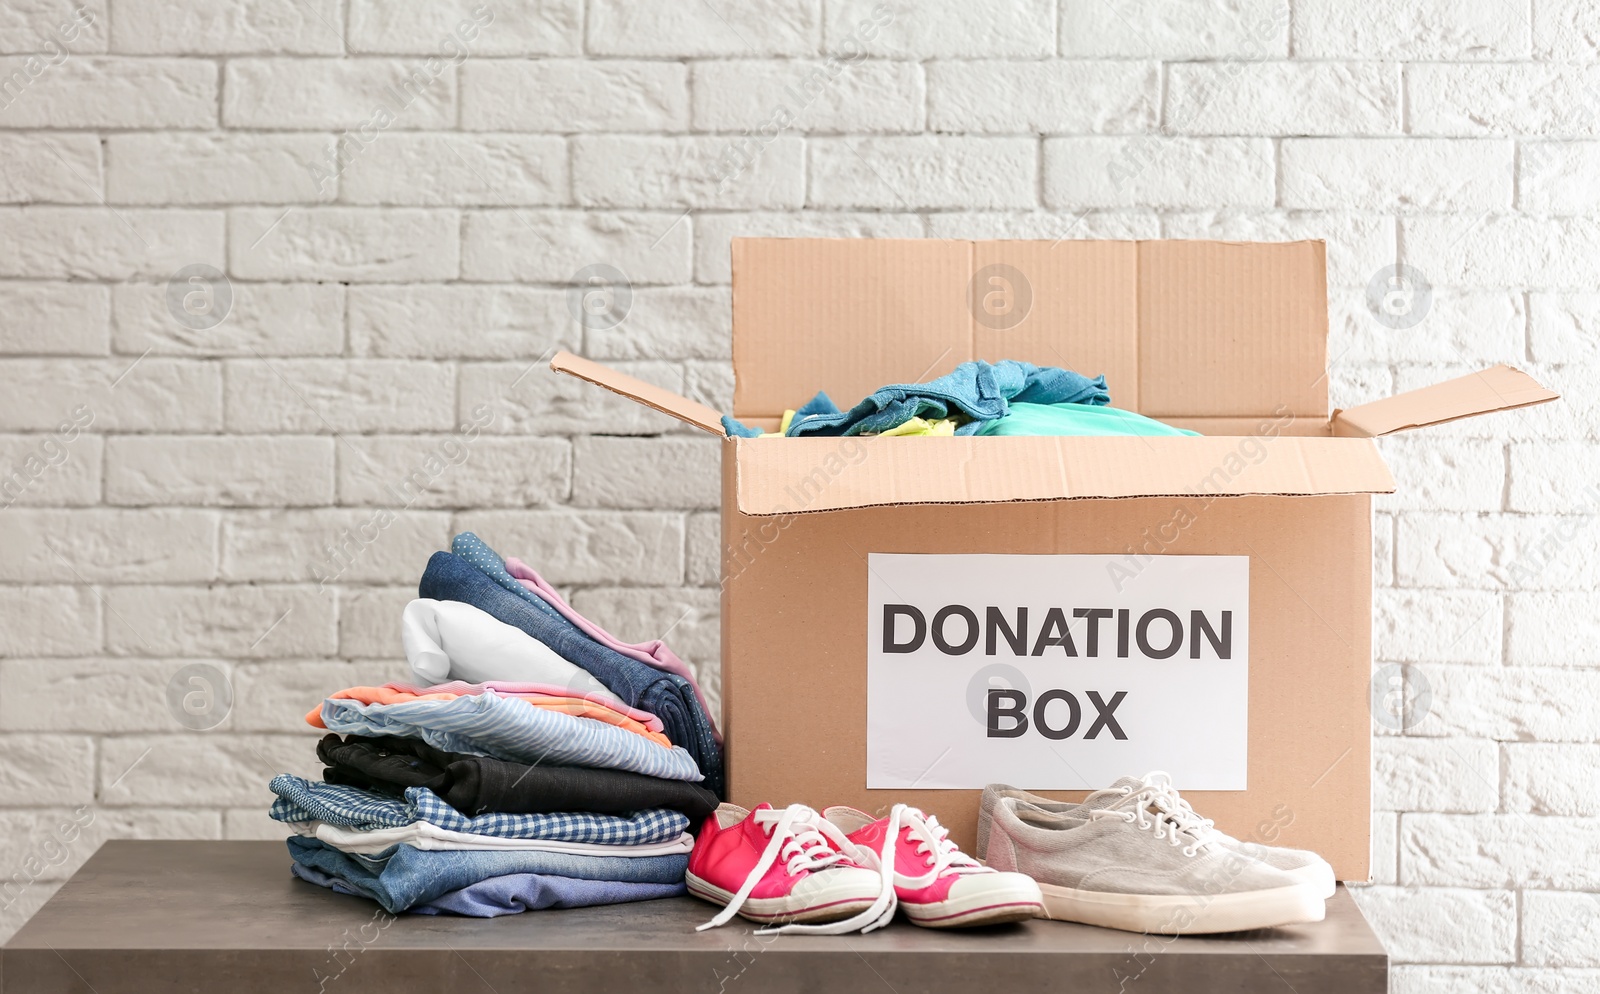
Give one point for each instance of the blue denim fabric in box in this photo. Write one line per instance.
(671, 698)
(514, 893)
(980, 391)
(351, 807)
(402, 876)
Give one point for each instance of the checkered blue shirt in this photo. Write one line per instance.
(508, 728)
(350, 807)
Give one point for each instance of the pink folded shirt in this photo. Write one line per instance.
(506, 689)
(652, 653)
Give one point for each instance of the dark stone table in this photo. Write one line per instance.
(226, 916)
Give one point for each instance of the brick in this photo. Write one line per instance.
(703, 550)
(252, 824)
(94, 243)
(1352, 383)
(312, 396)
(1423, 774)
(1558, 929)
(1444, 475)
(1553, 177)
(1540, 777)
(1458, 326)
(268, 319)
(47, 770)
(229, 621)
(714, 232)
(1540, 552)
(106, 545)
(151, 93)
(1410, 30)
(160, 768)
(188, 168)
(449, 471)
(699, 171)
(924, 171)
(711, 383)
(54, 319)
(1453, 626)
(440, 170)
(340, 94)
(51, 844)
(49, 621)
(160, 27)
(1045, 224)
(644, 473)
(88, 695)
(48, 470)
(1566, 30)
(46, 26)
(45, 168)
(1442, 924)
(1383, 542)
(940, 29)
(349, 244)
(1194, 173)
(634, 548)
(1488, 980)
(686, 28)
(574, 95)
(1513, 704)
(1044, 97)
(808, 96)
(1358, 244)
(274, 697)
(520, 27)
(529, 401)
(669, 323)
(1385, 847)
(346, 545)
(110, 395)
(1397, 174)
(1539, 253)
(1551, 477)
(687, 620)
(369, 620)
(1509, 850)
(1283, 98)
(1188, 29)
(1562, 327)
(235, 471)
(465, 321)
(1552, 628)
(552, 246)
(1522, 100)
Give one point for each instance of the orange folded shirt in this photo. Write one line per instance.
(575, 706)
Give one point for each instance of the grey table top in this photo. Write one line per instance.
(144, 916)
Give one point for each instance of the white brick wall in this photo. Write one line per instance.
(387, 288)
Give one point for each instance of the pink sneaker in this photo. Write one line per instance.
(785, 867)
(952, 890)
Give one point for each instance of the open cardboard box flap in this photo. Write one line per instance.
(688, 411)
(1498, 388)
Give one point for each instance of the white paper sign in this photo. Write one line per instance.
(1056, 672)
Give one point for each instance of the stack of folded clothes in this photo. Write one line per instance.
(537, 762)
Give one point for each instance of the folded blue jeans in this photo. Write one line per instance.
(403, 877)
(514, 893)
(671, 698)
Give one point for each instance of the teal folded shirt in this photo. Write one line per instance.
(1076, 419)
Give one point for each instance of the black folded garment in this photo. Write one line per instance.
(474, 785)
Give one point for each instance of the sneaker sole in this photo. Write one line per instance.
(1317, 877)
(941, 915)
(1165, 914)
(824, 907)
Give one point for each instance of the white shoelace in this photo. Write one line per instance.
(941, 855)
(1162, 810)
(805, 840)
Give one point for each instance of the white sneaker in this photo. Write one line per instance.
(1303, 865)
(1139, 866)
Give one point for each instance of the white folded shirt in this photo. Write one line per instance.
(424, 835)
(449, 640)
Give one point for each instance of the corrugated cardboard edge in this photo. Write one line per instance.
(688, 411)
(1498, 388)
(782, 476)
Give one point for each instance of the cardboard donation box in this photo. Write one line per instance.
(911, 618)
